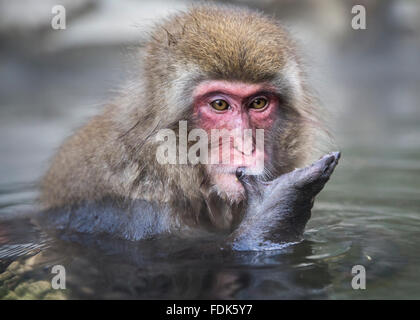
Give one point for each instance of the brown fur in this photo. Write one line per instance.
(113, 156)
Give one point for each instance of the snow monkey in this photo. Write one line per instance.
(211, 67)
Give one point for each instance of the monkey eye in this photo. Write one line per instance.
(219, 104)
(258, 103)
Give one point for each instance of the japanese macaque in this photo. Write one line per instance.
(215, 68)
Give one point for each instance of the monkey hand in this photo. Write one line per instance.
(278, 210)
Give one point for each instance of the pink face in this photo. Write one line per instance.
(234, 106)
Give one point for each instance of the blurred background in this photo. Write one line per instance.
(52, 81)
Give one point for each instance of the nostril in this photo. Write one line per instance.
(240, 172)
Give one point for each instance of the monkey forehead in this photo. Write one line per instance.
(226, 43)
(234, 88)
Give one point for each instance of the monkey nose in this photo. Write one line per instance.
(240, 173)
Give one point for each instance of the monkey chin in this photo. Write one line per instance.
(229, 188)
(226, 184)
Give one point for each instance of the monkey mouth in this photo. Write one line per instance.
(238, 171)
(226, 183)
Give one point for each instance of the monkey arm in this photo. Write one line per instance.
(279, 210)
(139, 220)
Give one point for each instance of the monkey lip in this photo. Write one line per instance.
(228, 169)
(237, 169)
